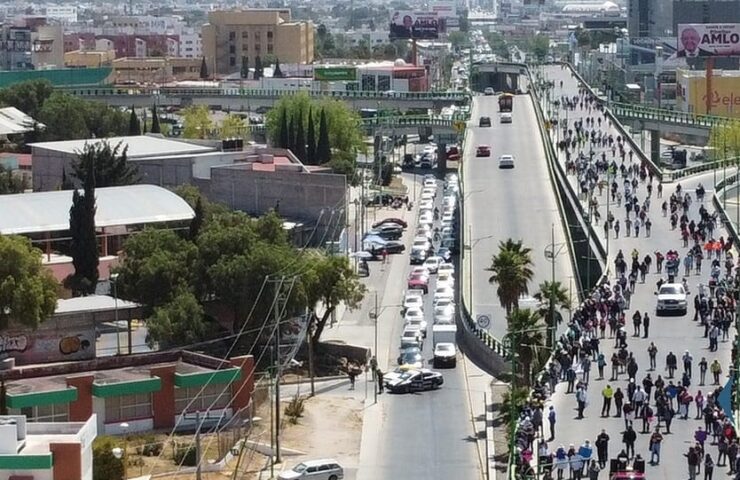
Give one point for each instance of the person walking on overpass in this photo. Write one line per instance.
(607, 394)
(551, 418)
(688, 359)
(716, 370)
(671, 364)
(628, 438)
(582, 399)
(652, 353)
(656, 439)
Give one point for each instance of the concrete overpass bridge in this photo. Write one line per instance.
(251, 99)
(651, 118)
(501, 76)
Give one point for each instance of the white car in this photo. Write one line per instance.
(426, 197)
(433, 263)
(324, 469)
(505, 117)
(445, 354)
(411, 337)
(426, 218)
(430, 183)
(417, 324)
(429, 191)
(672, 298)
(445, 278)
(414, 313)
(420, 270)
(506, 161)
(426, 204)
(422, 244)
(446, 268)
(488, 90)
(413, 301)
(443, 292)
(447, 217)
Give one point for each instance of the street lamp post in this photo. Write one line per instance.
(551, 254)
(114, 282)
(121, 453)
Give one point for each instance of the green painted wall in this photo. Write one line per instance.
(41, 398)
(62, 77)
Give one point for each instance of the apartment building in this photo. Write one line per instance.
(31, 44)
(233, 38)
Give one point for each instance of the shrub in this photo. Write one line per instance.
(105, 465)
(185, 455)
(294, 409)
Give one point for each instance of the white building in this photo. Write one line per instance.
(64, 14)
(46, 451)
(191, 45)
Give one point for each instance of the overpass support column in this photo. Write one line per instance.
(441, 159)
(655, 146)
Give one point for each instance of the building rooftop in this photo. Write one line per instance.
(138, 146)
(92, 303)
(38, 212)
(13, 121)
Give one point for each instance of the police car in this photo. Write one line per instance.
(405, 380)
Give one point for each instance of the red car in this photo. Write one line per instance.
(397, 221)
(453, 153)
(483, 151)
(419, 282)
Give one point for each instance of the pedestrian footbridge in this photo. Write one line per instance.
(651, 118)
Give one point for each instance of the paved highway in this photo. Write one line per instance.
(669, 333)
(427, 435)
(517, 203)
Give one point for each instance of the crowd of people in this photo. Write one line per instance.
(647, 399)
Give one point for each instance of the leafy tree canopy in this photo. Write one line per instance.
(109, 163)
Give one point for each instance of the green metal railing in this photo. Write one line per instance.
(662, 115)
(265, 93)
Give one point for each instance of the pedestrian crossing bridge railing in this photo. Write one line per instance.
(662, 115)
(265, 93)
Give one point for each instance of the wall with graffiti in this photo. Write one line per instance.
(48, 345)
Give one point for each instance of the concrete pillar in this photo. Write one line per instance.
(242, 389)
(81, 409)
(655, 146)
(163, 401)
(441, 159)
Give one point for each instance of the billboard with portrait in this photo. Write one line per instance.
(416, 25)
(708, 40)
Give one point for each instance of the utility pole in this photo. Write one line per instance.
(198, 452)
(375, 347)
(310, 354)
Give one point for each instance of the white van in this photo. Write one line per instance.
(505, 117)
(324, 469)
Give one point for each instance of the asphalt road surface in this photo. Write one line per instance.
(516, 203)
(670, 333)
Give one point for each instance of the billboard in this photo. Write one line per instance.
(708, 40)
(691, 95)
(335, 73)
(416, 25)
(44, 346)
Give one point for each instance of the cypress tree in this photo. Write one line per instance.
(67, 184)
(134, 127)
(311, 140)
(277, 73)
(283, 133)
(203, 69)
(244, 73)
(84, 244)
(323, 149)
(197, 222)
(300, 137)
(257, 68)
(156, 128)
(291, 135)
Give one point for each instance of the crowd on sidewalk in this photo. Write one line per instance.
(647, 401)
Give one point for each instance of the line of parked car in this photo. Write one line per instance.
(430, 269)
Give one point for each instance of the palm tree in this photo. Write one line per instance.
(528, 340)
(512, 271)
(552, 295)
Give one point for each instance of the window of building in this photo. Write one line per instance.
(269, 36)
(232, 49)
(45, 413)
(245, 35)
(257, 48)
(232, 36)
(212, 396)
(368, 82)
(258, 35)
(269, 48)
(128, 407)
(384, 83)
(232, 61)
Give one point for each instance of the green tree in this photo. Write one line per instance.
(197, 121)
(232, 126)
(28, 97)
(134, 126)
(67, 184)
(512, 272)
(284, 134)
(84, 243)
(156, 128)
(64, 116)
(178, 322)
(277, 73)
(10, 182)
(101, 120)
(257, 68)
(724, 140)
(311, 140)
(540, 46)
(323, 148)
(203, 69)
(109, 163)
(300, 137)
(512, 403)
(105, 465)
(331, 281)
(197, 222)
(244, 72)
(269, 227)
(157, 265)
(553, 296)
(528, 340)
(457, 39)
(28, 291)
(193, 196)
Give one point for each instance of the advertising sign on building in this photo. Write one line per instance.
(335, 73)
(708, 40)
(445, 9)
(416, 25)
